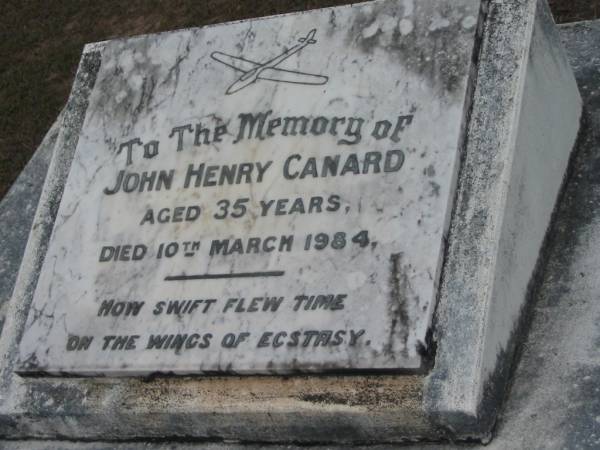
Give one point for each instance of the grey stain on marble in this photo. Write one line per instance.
(400, 295)
(432, 55)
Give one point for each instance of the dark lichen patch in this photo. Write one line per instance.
(435, 189)
(400, 292)
(332, 23)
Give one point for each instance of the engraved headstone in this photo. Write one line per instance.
(268, 196)
(282, 196)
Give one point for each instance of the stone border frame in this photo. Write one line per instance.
(461, 395)
(525, 122)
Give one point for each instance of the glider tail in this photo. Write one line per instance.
(309, 37)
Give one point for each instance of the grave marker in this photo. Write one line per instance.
(362, 190)
(259, 197)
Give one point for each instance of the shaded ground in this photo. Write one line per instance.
(575, 10)
(41, 41)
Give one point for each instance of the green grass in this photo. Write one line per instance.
(41, 41)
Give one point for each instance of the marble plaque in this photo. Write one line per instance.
(266, 196)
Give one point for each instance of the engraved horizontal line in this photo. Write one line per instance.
(218, 276)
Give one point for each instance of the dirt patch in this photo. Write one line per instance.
(41, 42)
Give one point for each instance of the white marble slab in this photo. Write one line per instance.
(310, 243)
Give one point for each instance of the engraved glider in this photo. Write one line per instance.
(254, 71)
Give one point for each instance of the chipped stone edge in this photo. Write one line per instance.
(492, 256)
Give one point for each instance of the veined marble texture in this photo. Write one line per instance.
(266, 196)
